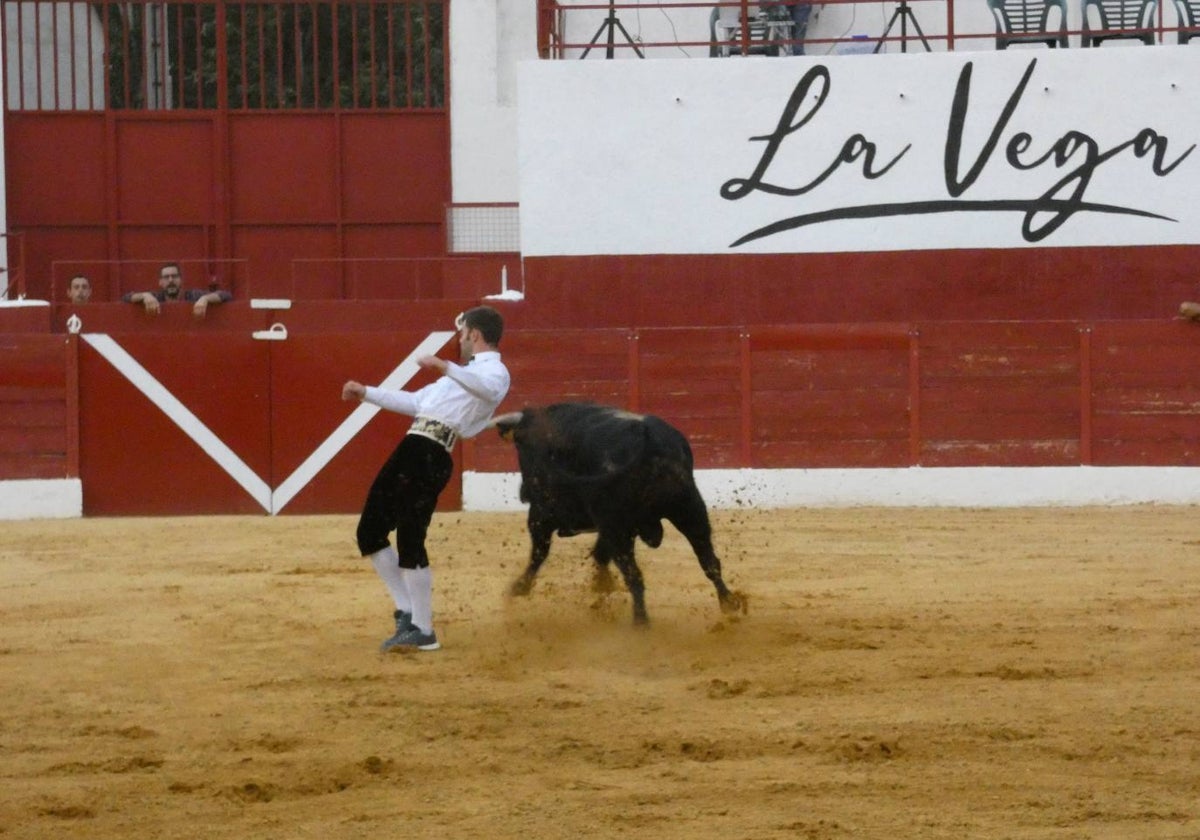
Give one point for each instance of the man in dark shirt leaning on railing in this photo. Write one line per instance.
(170, 287)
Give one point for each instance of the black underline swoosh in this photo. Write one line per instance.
(922, 208)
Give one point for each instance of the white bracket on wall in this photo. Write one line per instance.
(276, 332)
(270, 303)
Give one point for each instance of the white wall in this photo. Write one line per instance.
(41, 499)
(490, 38)
(911, 487)
(487, 40)
(646, 157)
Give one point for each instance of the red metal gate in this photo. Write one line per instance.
(238, 135)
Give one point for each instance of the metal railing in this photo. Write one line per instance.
(64, 55)
(627, 30)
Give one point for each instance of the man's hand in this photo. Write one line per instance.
(1190, 310)
(353, 391)
(432, 363)
(150, 302)
(200, 307)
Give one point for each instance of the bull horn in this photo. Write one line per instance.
(511, 418)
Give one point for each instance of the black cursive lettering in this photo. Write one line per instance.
(1042, 215)
(856, 145)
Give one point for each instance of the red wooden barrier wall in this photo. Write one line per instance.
(1106, 393)
(39, 407)
(272, 403)
(1145, 396)
(982, 284)
(885, 395)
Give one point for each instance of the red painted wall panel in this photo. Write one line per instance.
(195, 185)
(33, 407)
(811, 369)
(996, 394)
(134, 459)
(384, 239)
(32, 361)
(283, 168)
(60, 159)
(395, 169)
(1031, 284)
(557, 366)
(820, 454)
(1143, 452)
(306, 384)
(1000, 453)
(233, 318)
(270, 249)
(829, 400)
(306, 317)
(25, 319)
(1146, 398)
(688, 374)
(23, 409)
(165, 168)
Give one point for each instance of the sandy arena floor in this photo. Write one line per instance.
(901, 674)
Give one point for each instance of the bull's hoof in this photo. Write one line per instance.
(520, 587)
(641, 621)
(735, 602)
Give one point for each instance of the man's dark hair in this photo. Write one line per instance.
(488, 321)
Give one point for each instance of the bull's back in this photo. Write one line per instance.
(584, 446)
(668, 443)
(637, 461)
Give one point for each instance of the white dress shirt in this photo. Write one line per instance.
(464, 398)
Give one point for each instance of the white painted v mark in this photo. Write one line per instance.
(226, 458)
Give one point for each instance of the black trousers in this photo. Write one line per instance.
(403, 497)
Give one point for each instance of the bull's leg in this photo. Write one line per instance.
(691, 518)
(540, 533)
(602, 579)
(618, 547)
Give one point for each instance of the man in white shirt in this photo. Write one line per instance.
(405, 491)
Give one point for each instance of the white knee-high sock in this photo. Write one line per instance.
(420, 590)
(387, 565)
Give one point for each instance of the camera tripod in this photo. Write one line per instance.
(610, 25)
(903, 14)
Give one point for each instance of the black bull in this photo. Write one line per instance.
(591, 468)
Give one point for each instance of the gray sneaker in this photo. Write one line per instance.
(410, 640)
(403, 625)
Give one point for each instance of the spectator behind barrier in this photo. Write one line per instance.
(170, 288)
(80, 289)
